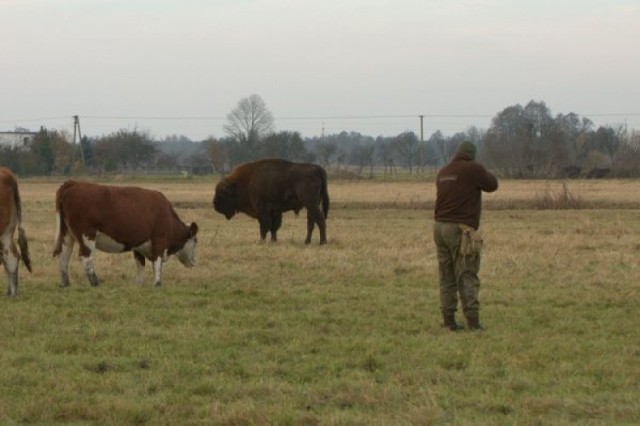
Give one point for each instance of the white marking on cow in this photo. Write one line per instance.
(9, 259)
(157, 269)
(107, 244)
(65, 255)
(5, 238)
(87, 261)
(144, 249)
(187, 254)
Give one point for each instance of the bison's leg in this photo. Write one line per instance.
(322, 225)
(65, 256)
(10, 259)
(315, 216)
(265, 225)
(310, 224)
(276, 223)
(87, 247)
(139, 267)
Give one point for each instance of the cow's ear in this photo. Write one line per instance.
(193, 229)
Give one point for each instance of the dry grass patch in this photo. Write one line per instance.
(346, 333)
(511, 195)
(557, 200)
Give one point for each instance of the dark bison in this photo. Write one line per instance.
(570, 172)
(264, 189)
(598, 173)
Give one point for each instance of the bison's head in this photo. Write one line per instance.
(187, 254)
(225, 200)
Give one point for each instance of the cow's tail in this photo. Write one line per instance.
(324, 193)
(61, 230)
(22, 236)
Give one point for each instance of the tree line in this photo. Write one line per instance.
(521, 142)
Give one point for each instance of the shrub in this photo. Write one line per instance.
(563, 199)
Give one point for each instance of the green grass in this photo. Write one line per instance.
(346, 333)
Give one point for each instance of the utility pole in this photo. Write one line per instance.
(76, 126)
(421, 142)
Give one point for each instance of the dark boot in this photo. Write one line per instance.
(450, 322)
(473, 322)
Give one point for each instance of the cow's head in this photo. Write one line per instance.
(187, 254)
(225, 200)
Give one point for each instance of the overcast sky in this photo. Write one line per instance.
(372, 66)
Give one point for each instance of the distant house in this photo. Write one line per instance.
(17, 139)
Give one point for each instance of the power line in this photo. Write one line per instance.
(335, 117)
(310, 117)
(113, 117)
(613, 114)
(21, 120)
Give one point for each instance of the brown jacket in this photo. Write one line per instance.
(459, 191)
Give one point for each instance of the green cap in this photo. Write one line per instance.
(468, 148)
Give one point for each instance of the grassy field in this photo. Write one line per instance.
(347, 333)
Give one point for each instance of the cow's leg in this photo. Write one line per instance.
(139, 267)
(65, 256)
(10, 259)
(157, 271)
(87, 247)
(276, 223)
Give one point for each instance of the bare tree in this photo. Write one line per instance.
(634, 140)
(341, 157)
(124, 150)
(627, 158)
(406, 145)
(525, 142)
(249, 122)
(441, 146)
(217, 154)
(325, 150)
(362, 154)
(384, 147)
(63, 153)
(52, 151)
(286, 145)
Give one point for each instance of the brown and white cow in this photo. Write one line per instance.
(10, 219)
(116, 219)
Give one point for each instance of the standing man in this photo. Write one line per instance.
(459, 187)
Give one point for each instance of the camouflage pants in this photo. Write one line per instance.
(458, 274)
